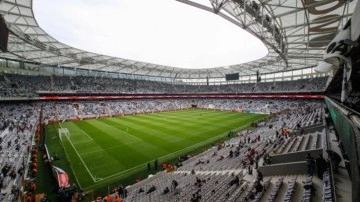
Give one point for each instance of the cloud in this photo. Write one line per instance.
(160, 31)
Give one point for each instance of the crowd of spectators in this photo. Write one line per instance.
(16, 85)
(94, 109)
(19, 121)
(18, 126)
(62, 111)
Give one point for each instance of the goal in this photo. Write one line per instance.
(64, 134)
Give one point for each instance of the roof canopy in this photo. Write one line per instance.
(295, 33)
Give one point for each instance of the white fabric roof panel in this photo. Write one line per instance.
(295, 33)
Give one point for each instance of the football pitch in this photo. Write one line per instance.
(101, 151)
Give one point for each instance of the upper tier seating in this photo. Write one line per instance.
(16, 85)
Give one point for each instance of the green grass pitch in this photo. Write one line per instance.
(101, 151)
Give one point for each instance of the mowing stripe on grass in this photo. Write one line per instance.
(166, 157)
(133, 136)
(110, 148)
(86, 135)
(121, 146)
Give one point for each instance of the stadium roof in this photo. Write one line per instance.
(295, 33)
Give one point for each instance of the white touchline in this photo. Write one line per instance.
(82, 161)
(70, 166)
(96, 179)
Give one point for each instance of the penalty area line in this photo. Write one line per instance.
(82, 161)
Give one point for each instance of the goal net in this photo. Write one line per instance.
(64, 134)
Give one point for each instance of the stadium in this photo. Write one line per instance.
(79, 125)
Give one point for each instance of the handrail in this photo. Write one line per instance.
(346, 110)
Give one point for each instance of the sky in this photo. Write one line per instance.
(164, 32)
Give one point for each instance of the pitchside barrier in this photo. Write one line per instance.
(350, 138)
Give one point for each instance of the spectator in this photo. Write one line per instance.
(151, 189)
(121, 191)
(259, 176)
(250, 169)
(258, 187)
(108, 198)
(156, 163)
(166, 190)
(321, 165)
(195, 197)
(334, 158)
(174, 184)
(310, 164)
(117, 199)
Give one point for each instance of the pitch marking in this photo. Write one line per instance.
(82, 161)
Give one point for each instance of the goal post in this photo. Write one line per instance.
(64, 134)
